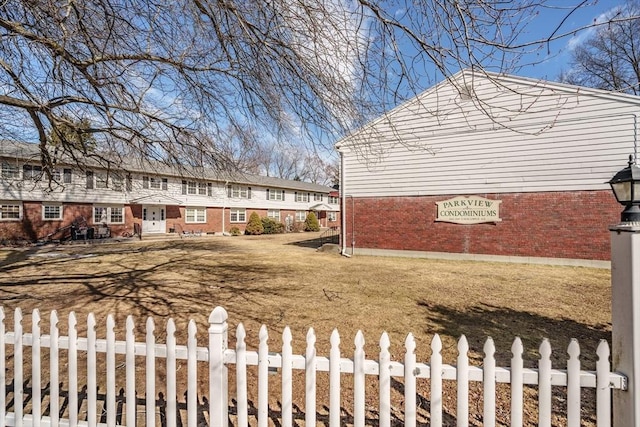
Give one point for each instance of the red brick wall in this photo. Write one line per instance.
(553, 224)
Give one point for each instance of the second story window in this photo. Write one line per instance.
(273, 194)
(238, 192)
(333, 200)
(31, 172)
(197, 188)
(10, 171)
(154, 183)
(318, 197)
(102, 180)
(302, 197)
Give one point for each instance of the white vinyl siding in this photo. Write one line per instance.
(543, 139)
(238, 215)
(195, 215)
(51, 212)
(10, 211)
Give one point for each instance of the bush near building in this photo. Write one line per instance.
(254, 226)
(311, 223)
(271, 226)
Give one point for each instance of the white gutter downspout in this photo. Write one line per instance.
(343, 216)
(635, 138)
(224, 203)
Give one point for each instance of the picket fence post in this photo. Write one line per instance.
(218, 372)
(625, 316)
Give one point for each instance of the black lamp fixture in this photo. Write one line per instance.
(626, 187)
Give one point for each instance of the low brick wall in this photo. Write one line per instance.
(552, 224)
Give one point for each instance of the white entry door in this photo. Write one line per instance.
(154, 219)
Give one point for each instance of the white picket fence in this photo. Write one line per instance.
(18, 409)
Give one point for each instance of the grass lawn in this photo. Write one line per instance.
(282, 280)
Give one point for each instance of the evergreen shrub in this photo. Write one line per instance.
(311, 223)
(272, 226)
(254, 226)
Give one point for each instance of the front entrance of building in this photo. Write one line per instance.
(154, 219)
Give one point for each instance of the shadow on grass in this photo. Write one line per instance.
(504, 324)
(275, 414)
(139, 280)
(314, 243)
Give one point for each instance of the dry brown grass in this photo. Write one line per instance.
(281, 280)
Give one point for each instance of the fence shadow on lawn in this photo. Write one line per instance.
(503, 325)
(274, 414)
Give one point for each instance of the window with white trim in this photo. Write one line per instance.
(10, 171)
(51, 212)
(237, 215)
(301, 216)
(108, 215)
(197, 188)
(318, 197)
(154, 183)
(275, 194)
(117, 182)
(274, 214)
(32, 172)
(238, 192)
(101, 180)
(302, 197)
(10, 211)
(195, 215)
(331, 216)
(333, 200)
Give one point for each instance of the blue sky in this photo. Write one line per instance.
(555, 57)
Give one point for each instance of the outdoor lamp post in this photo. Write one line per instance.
(626, 187)
(625, 295)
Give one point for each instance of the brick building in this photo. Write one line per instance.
(147, 196)
(414, 181)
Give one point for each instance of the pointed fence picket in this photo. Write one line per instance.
(111, 408)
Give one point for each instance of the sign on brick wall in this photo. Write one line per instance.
(468, 210)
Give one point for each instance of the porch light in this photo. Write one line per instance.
(626, 187)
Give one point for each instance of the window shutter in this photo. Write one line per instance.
(283, 195)
(249, 193)
(295, 196)
(184, 186)
(164, 183)
(145, 182)
(229, 191)
(66, 176)
(129, 183)
(267, 194)
(89, 180)
(209, 189)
